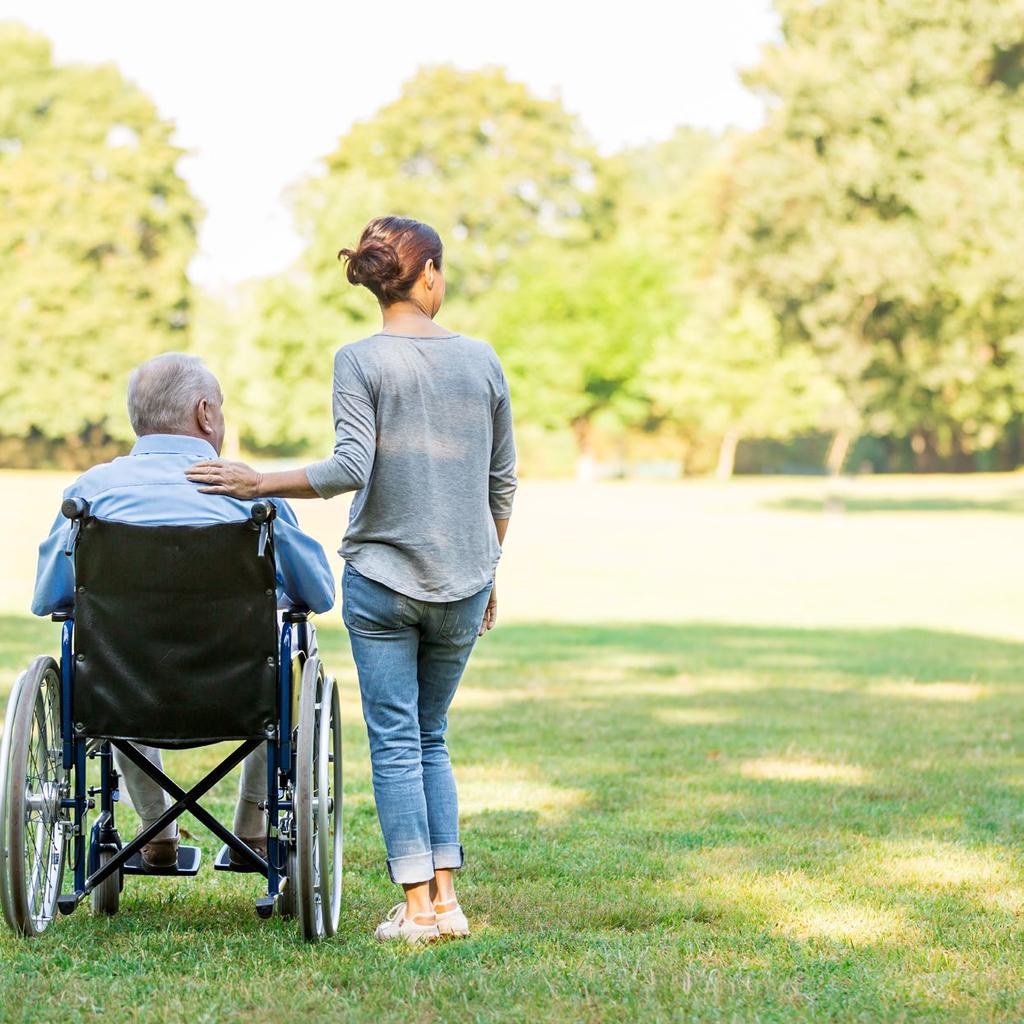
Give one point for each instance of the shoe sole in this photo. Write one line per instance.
(411, 940)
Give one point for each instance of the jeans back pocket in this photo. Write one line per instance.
(368, 605)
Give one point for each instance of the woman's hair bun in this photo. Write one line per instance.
(391, 255)
(374, 262)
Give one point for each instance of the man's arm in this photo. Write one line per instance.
(55, 571)
(303, 572)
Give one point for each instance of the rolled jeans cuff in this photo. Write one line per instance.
(411, 870)
(449, 856)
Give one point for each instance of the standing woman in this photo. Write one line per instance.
(423, 431)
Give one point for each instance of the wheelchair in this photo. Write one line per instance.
(173, 641)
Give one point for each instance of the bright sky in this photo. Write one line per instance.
(260, 91)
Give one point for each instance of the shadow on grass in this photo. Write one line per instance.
(1013, 505)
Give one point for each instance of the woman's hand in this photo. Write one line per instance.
(491, 611)
(222, 477)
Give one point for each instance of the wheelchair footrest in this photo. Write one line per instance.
(225, 863)
(188, 864)
(67, 903)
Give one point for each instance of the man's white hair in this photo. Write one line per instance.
(164, 391)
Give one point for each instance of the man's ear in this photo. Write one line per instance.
(203, 416)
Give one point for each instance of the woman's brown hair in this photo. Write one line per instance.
(390, 256)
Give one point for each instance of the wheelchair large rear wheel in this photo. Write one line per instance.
(34, 785)
(318, 805)
(6, 902)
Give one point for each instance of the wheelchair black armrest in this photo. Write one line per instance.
(296, 614)
(74, 508)
(62, 614)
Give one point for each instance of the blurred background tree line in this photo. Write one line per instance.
(838, 289)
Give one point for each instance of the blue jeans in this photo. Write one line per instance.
(410, 656)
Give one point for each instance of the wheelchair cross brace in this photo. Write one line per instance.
(184, 801)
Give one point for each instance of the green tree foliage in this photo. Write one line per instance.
(96, 229)
(286, 386)
(879, 212)
(494, 168)
(725, 375)
(575, 330)
(717, 371)
(507, 178)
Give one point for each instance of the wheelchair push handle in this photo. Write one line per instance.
(262, 515)
(74, 508)
(77, 510)
(262, 512)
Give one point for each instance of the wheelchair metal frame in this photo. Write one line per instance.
(280, 759)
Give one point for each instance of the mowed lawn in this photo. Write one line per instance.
(727, 757)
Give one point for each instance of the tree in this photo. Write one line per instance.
(574, 330)
(478, 156)
(726, 374)
(501, 174)
(95, 234)
(879, 211)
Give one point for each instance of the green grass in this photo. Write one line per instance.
(676, 805)
(662, 822)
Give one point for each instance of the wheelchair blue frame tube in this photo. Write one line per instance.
(279, 758)
(80, 798)
(73, 749)
(284, 699)
(66, 676)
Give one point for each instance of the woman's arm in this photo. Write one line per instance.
(346, 469)
(242, 481)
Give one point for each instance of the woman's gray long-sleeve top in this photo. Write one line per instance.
(423, 433)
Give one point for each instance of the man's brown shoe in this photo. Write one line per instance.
(258, 844)
(160, 854)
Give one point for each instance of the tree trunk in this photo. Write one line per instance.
(922, 444)
(838, 450)
(586, 467)
(727, 455)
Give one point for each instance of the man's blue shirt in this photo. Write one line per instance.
(149, 488)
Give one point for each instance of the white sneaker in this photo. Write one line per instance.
(451, 922)
(397, 926)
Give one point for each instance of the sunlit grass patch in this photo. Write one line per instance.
(694, 716)
(803, 769)
(951, 692)
(481, 697)
(943, 865)
(850, 922)
(507, 787)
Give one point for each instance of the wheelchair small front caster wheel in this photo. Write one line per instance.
(286, 895)
(106, 897)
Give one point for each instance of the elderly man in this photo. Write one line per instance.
(176, 410)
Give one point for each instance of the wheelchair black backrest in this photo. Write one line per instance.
(175, 633)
